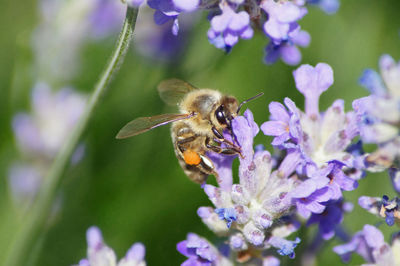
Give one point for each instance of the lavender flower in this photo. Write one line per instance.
(227, 27)
(316, 143)
(41, 134)
(247, 212)
(234, 19)
(53, 115)
(69, 24)
(99, 254)
(157, 42)
(383, 207)
(395, 177)
(331, 218)
(200, 252)
(369, 243)
(328, 6)
(378, 115)
(24, 181)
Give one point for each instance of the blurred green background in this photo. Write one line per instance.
(134, 189)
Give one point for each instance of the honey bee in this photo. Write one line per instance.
(197, 129)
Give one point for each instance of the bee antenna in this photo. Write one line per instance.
(248, 100)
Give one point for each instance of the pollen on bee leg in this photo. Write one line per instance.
(191, 157)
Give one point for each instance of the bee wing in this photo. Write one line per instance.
(172, 91)
(143, 124)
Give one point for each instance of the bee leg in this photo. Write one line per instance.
(217, 133)
(218, 149)
(180, 143)
(221, 138)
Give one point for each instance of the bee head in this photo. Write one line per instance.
(226, 111)
(229, 109)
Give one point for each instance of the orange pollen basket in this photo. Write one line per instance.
(191, 157)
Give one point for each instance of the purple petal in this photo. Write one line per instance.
(373, 236)
(94, 238)
(239, 21)
(305, 189)
(288, 12)
(274, 128)
(395, 177)
(290, 54)
(301, 38)
(311, 82)
(136, 252)
(272, 53)
(186, 5)
(160, 18)
(371, 80)
(278, 112)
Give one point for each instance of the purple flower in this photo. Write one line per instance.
(166, 11)
(282, 17)
(99, 253)
(53, 115)
(383, 207)
(287, 50)
(316, 143)
(199, 252)
(233, 19)
(157, 42)
(285, 247)
(40, 135)
(25, 181)
(284, 31)
(378, 115)
(227, 214)
(260, 198)
(227, 27)
(395, 177)
(106, 18)
(368, 243)
(330, 218)
(77, 22)
(328, 6)
(318, 138)
(311, 82)
(283, 124)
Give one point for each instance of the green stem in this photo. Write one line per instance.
(35, 222)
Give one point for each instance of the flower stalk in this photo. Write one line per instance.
(35, 220)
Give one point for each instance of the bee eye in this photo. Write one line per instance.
(220, 115)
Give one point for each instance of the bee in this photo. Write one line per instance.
(198, 128)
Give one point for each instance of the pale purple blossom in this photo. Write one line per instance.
(370, 244)
(157, 42)
(330, 219)
(232, 20)
(382, 207)
(316, 143)
(247, 212)
(229, 26)
(40, 134)
(24, 181)
(288, 49)
(394, 174)
(70, 24)
(43, 131)
(378, 115)
(200, 252)
(98, 253)
(328, 6)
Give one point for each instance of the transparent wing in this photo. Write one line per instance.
(143, 124)
(172, 91)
